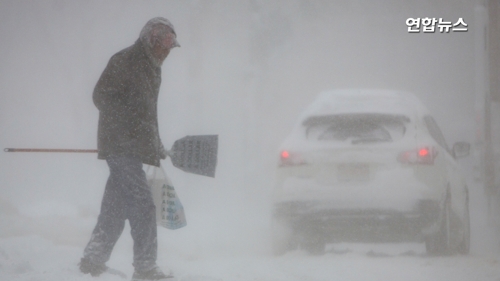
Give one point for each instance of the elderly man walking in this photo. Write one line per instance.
(126, 96)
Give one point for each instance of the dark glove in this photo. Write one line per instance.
(163, 152)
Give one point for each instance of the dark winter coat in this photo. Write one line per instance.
(127, 96)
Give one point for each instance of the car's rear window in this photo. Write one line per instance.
(356, 128)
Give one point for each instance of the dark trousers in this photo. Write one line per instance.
(127, 196)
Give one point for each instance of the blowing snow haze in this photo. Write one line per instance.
(245, 71)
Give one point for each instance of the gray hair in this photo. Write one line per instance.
(155, 30)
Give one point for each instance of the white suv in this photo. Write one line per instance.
(371, 166)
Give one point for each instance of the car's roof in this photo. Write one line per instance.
(350, 101)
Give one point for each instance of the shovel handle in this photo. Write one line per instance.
(50, 150)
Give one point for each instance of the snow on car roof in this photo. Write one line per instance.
(364, 101)
(352, 101)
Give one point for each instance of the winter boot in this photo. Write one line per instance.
(153, 274)
(86, 266)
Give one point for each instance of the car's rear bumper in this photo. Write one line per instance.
(357, 225)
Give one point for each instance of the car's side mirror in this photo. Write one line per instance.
(461, 149)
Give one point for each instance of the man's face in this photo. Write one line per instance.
(162, 48)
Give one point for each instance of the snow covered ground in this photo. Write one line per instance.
(33, 257)
(47, 245)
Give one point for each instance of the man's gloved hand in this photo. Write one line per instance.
(163, 152)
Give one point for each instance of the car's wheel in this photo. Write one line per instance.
(464, 246)
(439, 243)
(282, 238)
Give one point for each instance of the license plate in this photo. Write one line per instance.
(353, 172)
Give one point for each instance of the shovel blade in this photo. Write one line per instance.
(196, 154)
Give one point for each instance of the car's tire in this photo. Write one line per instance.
(464, 246)
(314, 246)
(439, 242)
(282, 238)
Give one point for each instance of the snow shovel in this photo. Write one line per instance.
(192, 154)
(196, 154)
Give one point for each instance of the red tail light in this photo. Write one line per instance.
(285, 154)
(289, 159)
(423, 155)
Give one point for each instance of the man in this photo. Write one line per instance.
(126, 96)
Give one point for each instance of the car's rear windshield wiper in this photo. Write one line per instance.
(365, 140)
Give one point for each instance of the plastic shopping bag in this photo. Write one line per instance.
(169, 209)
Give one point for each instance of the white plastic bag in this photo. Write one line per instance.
(169, 209)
